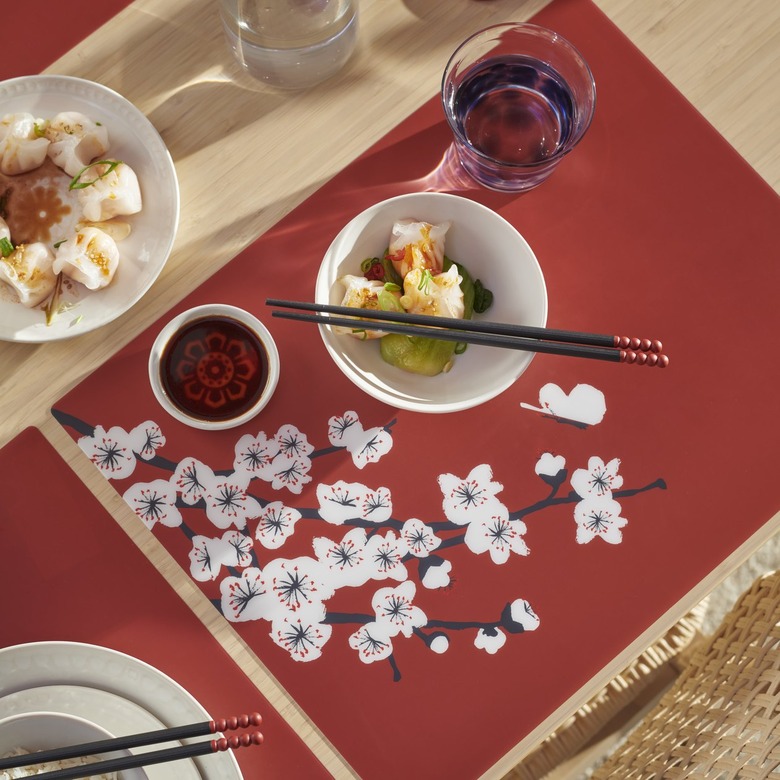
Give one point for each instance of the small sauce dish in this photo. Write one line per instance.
(214, 367)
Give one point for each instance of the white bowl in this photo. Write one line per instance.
(490, 249)
(223, 387)
(33, 731)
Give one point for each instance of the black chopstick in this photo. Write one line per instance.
(463, 334)
(176, 733)
(481, 326)
(155, 757)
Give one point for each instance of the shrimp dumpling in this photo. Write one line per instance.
(361, 293)
(90, 257)
(22, 146)
(111, 190)
(436, 296)
(75, 141)
(28, 269)
(416, 244)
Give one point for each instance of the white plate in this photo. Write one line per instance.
(46, 664)
(134, 140)
(115, 714)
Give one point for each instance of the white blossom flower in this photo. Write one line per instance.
(298, 586)
(471, 498)
(497, 535)
(253, 453)
(439, 644)
(154, 502)
(549, 465)
(437, 575)
(245, 598)
(384, 557)
(146, 439)
(344, 501)
(419, 538)
(286, 472)
(208, 555)
(598, 480)
(373, 643)
(276, 523)
(599, 517)
(227, 502)
(345, 560)
(522, 614)
(111, 451)
(345, 430)
(393, 608)
(302, 638)
(491, 640)
(193, 480)
(371, 446)
(292, 444)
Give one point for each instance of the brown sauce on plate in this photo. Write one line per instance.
(214, 368)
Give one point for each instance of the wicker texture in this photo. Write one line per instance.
(621, 691)
(721, 718)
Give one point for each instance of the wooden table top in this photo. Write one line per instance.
(255, 154)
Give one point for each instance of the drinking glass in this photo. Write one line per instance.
(291, 44)
(518, 98)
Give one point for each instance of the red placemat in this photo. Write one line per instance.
(71, 574)
(597, 519)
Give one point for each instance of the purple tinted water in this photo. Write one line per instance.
(515, 109)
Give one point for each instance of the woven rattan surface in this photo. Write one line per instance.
(721, 718)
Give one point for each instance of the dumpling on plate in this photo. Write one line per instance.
(75, 141)
(415, 244)
(90, 257)
(22, 146)
(28, 269)
(436, 296)
(108, 189)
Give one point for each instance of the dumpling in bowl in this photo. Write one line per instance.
(108, 189)
(91, 257)
(436, 296)
(415, 244)
(28, 269)
(76, 141)
(361, 293)
(22, 145)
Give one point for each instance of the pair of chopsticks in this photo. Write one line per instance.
(121, 763)
(618, 349)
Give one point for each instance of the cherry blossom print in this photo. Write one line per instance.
(285, 472)
(254, 453)
(345, 430)
(522, 616)
(146, 439)
(394, 609)
(245, 598)
(497, 535)
(419, 538)
(276, 523)
(344, 560)
(372, 641)
(193, 480)
(292, 444)
(491, 640)
(154, 502)
(585, 405)
(472, 497)
(549, 465)
(599, 517)
(111, 451)
(384, 557)
(370, 447)
(298, 587)
(227, 502)
(598, 480)
(439, 644)
(343, 501)
(303, 639)
(208, 555)
(436, 575)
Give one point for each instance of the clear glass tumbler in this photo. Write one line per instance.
(291, 44)
(518, 98)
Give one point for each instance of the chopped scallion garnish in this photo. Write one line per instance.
(77, 184)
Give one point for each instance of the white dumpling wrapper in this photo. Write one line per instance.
(21, 148)
(91, 258)
(415, 244)
(28, 269)
(436, 296)
(360, 293)
(76, 140)
(110, 195)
